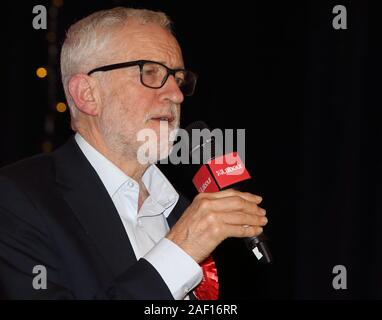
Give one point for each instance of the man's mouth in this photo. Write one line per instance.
(167, 117)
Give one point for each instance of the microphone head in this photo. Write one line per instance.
(203, 146)
(196, 125)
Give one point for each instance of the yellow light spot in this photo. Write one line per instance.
(58, 3)
(47, 146)
(41, 72)
(61, 107)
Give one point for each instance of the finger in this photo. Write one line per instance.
(241, 218)
(233, 204)
(232, 192)
(242, 231)
(250, 197)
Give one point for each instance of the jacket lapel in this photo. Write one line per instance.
(85, 194)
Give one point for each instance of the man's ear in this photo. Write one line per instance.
(82, 89)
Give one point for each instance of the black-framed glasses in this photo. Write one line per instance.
(155, 74)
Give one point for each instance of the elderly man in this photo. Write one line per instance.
(91, 221)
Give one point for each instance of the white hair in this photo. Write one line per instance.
(86, 42)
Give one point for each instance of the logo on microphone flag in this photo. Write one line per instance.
(220, 172)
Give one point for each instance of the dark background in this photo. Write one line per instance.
(308, 97)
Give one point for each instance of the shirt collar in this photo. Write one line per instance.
(158, 186)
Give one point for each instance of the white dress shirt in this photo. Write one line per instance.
(147, 227)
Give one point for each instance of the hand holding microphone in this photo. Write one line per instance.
(214, 217)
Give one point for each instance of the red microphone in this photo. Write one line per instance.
(220, 172)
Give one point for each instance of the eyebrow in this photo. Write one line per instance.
(164, 62)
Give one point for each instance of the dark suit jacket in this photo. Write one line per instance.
(55, 212)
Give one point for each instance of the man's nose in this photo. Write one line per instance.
(171, 91)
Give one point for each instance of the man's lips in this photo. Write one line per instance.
(162, 117)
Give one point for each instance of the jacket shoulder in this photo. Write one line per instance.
(29, 171)
(25, 181)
